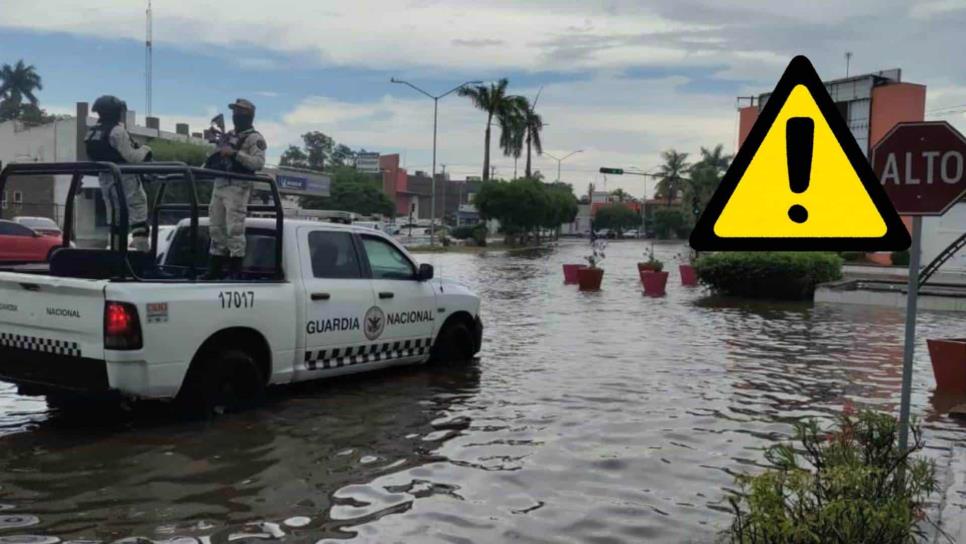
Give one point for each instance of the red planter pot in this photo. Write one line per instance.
(654, 283)
(570, 272)
(688, 276)
(948, 356)
(590, 279)
(641, 267)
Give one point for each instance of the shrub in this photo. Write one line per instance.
(171, 150)
(852, 256)
(900, 258)
(780, 275)
(853, 484)
(462, 232)
(476, 232)
(479, 235)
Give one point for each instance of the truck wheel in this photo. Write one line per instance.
(454, 345)
(228, 382)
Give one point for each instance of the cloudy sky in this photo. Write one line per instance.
(621, 80)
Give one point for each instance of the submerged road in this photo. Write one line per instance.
(588, 417)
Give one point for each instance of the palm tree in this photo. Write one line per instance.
(534, 124)
(716, 159)
(18, 82)
(671, 174)
(706, 175)
(619, 194)
(512, 132)
(496, 103)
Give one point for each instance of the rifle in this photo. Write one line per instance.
(216, 134)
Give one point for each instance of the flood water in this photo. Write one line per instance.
(589, 417)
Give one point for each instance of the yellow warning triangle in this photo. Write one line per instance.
(800, 181)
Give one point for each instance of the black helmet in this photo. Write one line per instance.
(109, 105)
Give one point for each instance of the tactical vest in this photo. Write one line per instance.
(231, 164)
(98, 143)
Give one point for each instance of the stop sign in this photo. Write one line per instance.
(921, 167)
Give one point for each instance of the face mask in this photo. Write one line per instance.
(241, 121)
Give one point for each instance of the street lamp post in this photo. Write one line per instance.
(565, 157)
(432, 213)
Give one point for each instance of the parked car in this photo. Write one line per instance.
(605, 233)
(368, 224)
(632, 233)
(23, 244)
(43, 225)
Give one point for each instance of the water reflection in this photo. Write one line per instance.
(589, 417)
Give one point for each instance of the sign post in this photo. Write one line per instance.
(921, 167)
(912, 301)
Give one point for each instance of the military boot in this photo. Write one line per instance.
(235, 265)
(216, 268)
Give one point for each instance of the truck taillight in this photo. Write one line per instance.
(122, 329)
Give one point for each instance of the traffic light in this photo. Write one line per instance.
(618, 171)
(696, 206)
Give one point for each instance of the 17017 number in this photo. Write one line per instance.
(237, 299)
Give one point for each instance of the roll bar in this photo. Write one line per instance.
(163, 173)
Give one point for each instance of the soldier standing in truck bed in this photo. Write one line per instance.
(109, 141)
(242, 152)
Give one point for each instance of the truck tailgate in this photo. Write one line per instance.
(50, 315)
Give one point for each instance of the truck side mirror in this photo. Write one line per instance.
(425, 272)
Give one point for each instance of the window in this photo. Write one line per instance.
(387, 262)
(17, 198)
(3, 201)
(333, 255)
(9, 228)
(259, 249)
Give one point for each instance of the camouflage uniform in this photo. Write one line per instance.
(137, 200)
(229, 199)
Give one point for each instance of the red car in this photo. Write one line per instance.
(22, 244)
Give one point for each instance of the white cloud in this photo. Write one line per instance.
(617, 121)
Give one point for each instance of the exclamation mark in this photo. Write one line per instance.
(799, 132)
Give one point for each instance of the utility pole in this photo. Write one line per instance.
(848, 61)
(432, 211)
(148, 68)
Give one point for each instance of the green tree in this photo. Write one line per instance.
(671, 174)
(525, 206)
(318, 148)
(534, 125)
(353, 191)
(294, 157)
(716, 159)
(16, 83)
(495, 101)
(616, 217)
(512, 133)
(170, 150)
(343, 155)
(620, 195)
(705, 176)
(668, 221)
(563, 206)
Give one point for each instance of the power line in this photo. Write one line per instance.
(957, 108)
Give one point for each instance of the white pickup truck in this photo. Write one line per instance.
(346, 299)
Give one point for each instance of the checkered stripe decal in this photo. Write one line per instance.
(36, 343)
(370, 353)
